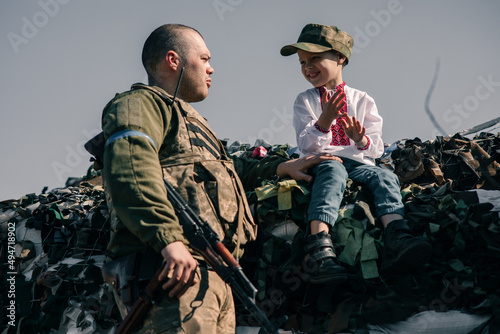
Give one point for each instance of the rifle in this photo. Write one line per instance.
(204, 240)
(142, 304)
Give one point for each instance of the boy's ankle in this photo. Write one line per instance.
(318, 226)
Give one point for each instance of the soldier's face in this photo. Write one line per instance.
(197, 70)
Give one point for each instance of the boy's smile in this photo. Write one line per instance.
(312, 75)
(321, 68)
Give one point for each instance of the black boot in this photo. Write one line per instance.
(321, 264)
(403, 252)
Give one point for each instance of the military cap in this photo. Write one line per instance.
(321, 38)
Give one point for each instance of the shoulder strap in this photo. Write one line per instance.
(162, 94)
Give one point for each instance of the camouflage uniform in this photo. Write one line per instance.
(148, 139)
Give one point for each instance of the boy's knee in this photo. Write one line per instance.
(381, 175)
(333, 166)
(391, 177)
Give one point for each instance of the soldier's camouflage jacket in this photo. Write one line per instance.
(148, 139)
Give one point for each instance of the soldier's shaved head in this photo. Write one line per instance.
(163, 39)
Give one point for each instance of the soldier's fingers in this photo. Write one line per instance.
(184, 282)
(178, 289)
(324, 157)
(191, 281)
(167, 270)
(177, 282)
(170, 283)
(175, 275)
(184, 275)
(298, 175)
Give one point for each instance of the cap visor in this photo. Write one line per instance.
(288, 50)
(310, 47)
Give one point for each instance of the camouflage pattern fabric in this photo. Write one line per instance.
(321, 38)
(199, 310)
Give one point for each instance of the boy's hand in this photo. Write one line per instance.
(354, 130)
(331, 108)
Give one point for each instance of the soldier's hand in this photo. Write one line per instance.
(297, 168)
(180, 269)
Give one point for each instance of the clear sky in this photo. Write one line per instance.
(61, 61)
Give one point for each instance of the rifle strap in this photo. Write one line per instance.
(239, 230)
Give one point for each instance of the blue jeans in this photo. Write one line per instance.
(330, 179)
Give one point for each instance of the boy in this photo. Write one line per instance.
(343, 121)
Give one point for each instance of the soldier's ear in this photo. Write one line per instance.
(172, 59)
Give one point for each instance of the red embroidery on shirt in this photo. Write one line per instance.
(339, 138)
(320, 129)
(366, 146)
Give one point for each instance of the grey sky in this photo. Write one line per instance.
(63, 60)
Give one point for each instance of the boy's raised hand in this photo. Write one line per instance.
(331, 108)
(353, 130)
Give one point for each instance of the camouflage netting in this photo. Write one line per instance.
(451, 191)
(59, 247)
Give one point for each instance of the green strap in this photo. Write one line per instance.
(359, 246)
(283, 190)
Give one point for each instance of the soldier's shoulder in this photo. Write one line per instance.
(136, 93)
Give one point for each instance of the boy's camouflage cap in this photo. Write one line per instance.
(320, 38)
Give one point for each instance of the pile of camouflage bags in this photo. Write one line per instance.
(451, 190)
(451, 193)
(60, 243)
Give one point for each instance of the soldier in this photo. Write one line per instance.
(149, 137)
